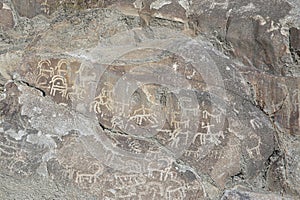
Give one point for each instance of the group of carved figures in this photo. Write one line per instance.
(55, 79)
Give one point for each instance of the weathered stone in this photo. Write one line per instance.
(243, 194)
(155, 99)
(29, 8)
(6, 17)
(249, 31)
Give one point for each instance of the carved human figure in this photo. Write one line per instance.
(45, 71)
(58, 84)
(62, 67)
(178, 137)
(103, 99)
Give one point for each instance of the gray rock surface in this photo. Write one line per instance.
(149, 99)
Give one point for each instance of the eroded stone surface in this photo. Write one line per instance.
(149, 100)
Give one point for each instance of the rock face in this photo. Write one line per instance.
(160, 99)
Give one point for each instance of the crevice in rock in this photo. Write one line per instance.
(240, 175)
(295, 53)
(32, 86)
(276, 165)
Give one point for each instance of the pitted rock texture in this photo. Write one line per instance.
(149, 99)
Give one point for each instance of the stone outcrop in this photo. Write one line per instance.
(165, 99)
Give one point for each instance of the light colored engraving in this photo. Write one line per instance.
(70, 172)
(173, 192)
(255, 123)
(143, 114)
(216, 154)
(192, 75)
(18, 163)
(45, 72)
(128, 194)
(192, 153)
(163, 171)
(77, 92)
(217, 117)
(119, 122)
(8, 149)
(89, 178)
(155, 189)
(186, 110)
(177, 136)
(120, 108)
(103, 99)
(179, 124)
(62, 67)
(166, 131)
(58, 83)
(235, 147)
(175, 67)
(109, 157)
(132, 166)
(255, 149)
(236, 133)
(209, 136)
(45, 7)
(45, 69)
(221, 3)
(136, 146)
(83, 78)
(159, 4)
(123, 181)
(296, 99)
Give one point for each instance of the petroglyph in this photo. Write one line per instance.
(103, 99)
(176, 191)
(193, 153)
(216, 117)
(255, 123)
(129, 180)
(88, 177)
(184, 104)
(59, 84)
(178, 137)
(254, 152)
(177, 123)
(143, 115)
(209, 136)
